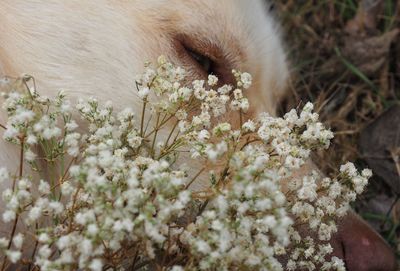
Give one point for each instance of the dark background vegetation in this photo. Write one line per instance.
(345, 57)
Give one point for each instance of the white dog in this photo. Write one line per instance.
(95, 48)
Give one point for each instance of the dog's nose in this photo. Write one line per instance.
(361, 247)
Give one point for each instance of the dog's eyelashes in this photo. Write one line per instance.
(203, 58)
(203, 61)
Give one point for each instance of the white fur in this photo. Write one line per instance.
(95, 48)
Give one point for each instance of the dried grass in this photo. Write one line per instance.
(346, 60)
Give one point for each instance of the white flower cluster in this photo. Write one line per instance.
(318, 203)
(246, 225)
(116, 197)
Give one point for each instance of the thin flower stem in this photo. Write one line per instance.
(223, 175)
(248, 142)
(158, 126)
(66, 171)
(141, 265)
(14, 228)
(194, 178)
(155, 135)
(147, 124)
(142, 120)
(60, 182)
(177, 135)
(25, 80)
(21, 158)
(203, 207)
(10, 241)
(72, 209)
(2, 126)
(167, 250)
(170, 148)
(135, 260)
(34, 250)
(163, 119)
(241, 118)
(170, 134)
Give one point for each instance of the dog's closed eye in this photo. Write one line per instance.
(204, 58)
(205, 63)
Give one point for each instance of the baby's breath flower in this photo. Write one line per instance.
(203, 136)
(249, 126)
(120, 187)
(177, 268)
(18, 241)
(13, 255)
(212, 80)
(96, 265)
(8, 216)
(43, 238)
(143, 92)
(3, 242)
(221, 129)
(246, 80)
(31, 139)
(44, 187)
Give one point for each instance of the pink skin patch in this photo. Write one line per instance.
(365, 241)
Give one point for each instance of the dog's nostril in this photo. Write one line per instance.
(362, 248)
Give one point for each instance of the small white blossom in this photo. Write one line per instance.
(44, 187)
(96, 265)
(43, 238)
(143, 92)
(249, 126)
(13, 255)
(18, 241)
(212, 80)
(246, 80)
(9, 216)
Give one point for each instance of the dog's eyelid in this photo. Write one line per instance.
(210, 58)
(203, 47)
